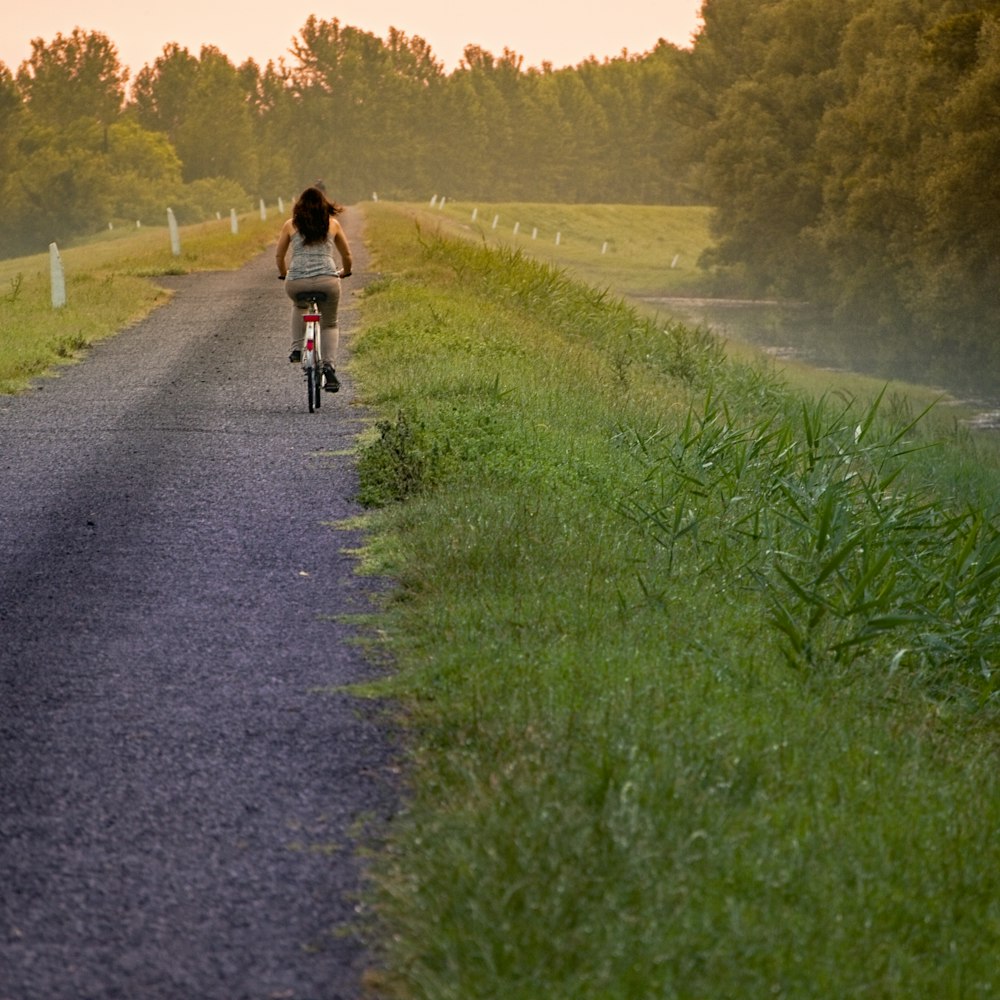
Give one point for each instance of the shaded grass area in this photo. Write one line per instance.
(107, 288)
(700, 672)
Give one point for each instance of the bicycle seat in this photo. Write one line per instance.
(304, 298)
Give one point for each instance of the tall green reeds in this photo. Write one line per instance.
(807, 504)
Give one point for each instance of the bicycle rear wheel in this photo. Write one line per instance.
(312, 387)
(318, 362)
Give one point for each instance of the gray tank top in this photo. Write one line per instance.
(311, 260)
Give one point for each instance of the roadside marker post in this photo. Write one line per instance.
(175, 235)
(58, 277)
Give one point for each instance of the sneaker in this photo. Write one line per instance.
(332, 385)
(296, 356)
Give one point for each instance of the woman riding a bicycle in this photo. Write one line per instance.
(312, 235)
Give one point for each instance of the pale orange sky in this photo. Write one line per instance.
(560, 32)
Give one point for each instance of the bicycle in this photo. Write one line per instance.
(316, 371)
(312, 352)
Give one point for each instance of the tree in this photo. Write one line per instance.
(205, 105)
(162, 92)
(11, 126)
(276, 126)
(215, 137)
(584, 131)
(460, 162)
(850, 152)
(11, 117)
(869, 151)
(959, 253)
(761, 171)
(73, 78)
(144, 171)
(71, 161)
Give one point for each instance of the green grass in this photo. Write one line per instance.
(634, 249)
(699, 671)
(108, 287)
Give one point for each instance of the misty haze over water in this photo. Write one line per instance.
(794, 330)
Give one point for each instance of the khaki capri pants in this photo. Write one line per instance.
(331, 332)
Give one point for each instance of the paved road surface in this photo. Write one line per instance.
(178, 801)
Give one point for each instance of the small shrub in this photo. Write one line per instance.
(397, 464)
(67, 346)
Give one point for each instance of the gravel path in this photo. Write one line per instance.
(181, 792)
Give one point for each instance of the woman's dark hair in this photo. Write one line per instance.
(312, 213)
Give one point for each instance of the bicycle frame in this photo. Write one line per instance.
(312, 351)
(312, 355)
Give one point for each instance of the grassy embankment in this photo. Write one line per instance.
(698, 669)
(635, 249)
(107, 288)
(651, 251)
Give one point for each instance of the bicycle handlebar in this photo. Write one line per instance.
(339, 274)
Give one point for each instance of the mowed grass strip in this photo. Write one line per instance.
(634, 249)
(108, 287)
(653, 754)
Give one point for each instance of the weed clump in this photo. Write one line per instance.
(398, 464)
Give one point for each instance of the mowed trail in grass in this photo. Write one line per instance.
(699, 671)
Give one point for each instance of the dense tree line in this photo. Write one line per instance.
(851, 152)
(848, 148)
(81, 145)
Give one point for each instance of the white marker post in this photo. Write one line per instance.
(434, 200)
(175, 236)
(263, 211)
(604, 247)
(534, 232)
(234, 223)
(496, 219)
(58, 277)
(475, 214)
(558, 238)
(281, 207)
(517, 228)
(673, 263)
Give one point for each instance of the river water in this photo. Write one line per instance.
(792, 330)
